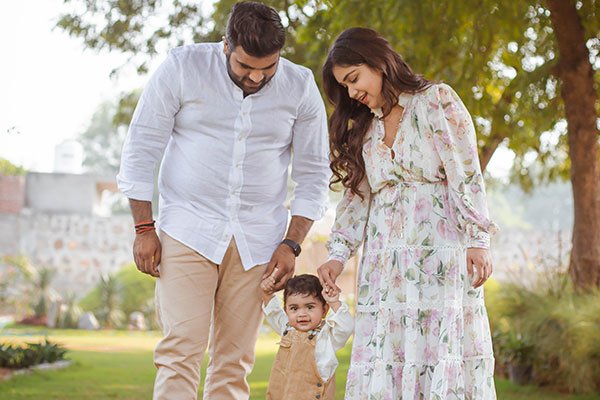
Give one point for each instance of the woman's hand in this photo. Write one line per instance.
(328, 274)
(481, 260)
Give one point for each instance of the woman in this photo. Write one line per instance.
(404, 149)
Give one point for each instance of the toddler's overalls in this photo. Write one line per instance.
(295, 375)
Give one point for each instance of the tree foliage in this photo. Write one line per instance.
(9, 169)
(500, 56)
(134, 27)
(103, 140)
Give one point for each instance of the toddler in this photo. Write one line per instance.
(305, 364)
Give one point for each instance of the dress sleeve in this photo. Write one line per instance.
(275, 315)
(349, 228)
(456, 145)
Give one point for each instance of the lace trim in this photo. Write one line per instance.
(447, 359)
(415, 247)
(419, 305)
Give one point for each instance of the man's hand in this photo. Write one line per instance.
(146, 253)
(328, 274)
(284, 261)
(480, 259)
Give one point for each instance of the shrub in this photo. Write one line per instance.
(554, 325)
(18, 357)
(136, 289)
(70, 317)
(117, 296)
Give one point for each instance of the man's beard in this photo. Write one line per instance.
(241, 82)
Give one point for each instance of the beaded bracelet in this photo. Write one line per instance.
(144, 226)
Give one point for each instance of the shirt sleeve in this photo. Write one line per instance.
(310, 162)
(349, 228)
(455, 142)
(275, 315)
(341, 325)
(149, 131)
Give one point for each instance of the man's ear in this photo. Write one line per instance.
(225, 45)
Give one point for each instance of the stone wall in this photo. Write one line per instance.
(78, 247)
(82, 247)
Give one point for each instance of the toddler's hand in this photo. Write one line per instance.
(330, 294)
(268, 284)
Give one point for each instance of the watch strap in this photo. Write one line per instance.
(293, 245)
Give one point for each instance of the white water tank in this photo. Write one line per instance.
(68, 157)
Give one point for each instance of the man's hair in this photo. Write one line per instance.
(306, 285)
(256, 27)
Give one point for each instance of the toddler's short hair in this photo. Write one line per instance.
(305, 284)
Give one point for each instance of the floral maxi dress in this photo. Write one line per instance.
(422, 331)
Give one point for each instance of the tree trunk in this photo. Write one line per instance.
(579, 96)
(487, 151)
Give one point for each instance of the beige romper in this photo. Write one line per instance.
(295, 375)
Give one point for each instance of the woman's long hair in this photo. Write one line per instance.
(351, 119)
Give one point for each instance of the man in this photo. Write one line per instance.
(227, 117)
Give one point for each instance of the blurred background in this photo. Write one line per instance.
(71, 74)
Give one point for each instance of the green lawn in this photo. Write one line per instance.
(118, 365)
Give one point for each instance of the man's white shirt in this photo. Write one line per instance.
(225, 165)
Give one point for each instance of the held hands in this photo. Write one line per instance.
(281, 267)
(328, 274)
(479, 261)
(332, 299)
(267, 286)
(146, 252)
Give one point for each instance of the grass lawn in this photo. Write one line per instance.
(118, 365)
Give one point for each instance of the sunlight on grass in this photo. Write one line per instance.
(118, 365)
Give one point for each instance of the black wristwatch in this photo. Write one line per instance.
(295, 246)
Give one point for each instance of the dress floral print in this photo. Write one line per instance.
(422, 331)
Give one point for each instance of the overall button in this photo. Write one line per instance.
(319, 384)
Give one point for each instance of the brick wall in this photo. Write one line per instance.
(12, 194)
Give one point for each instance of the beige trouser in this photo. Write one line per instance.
(190, 292)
